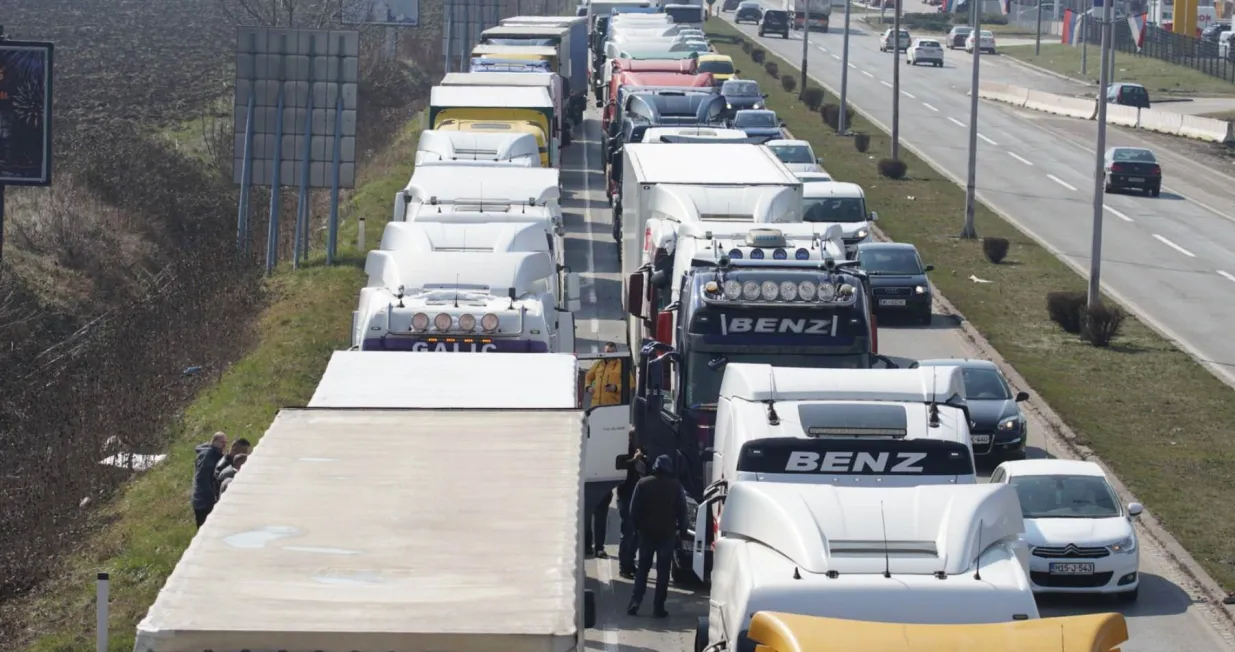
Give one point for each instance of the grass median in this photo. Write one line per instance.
(1148, 409)
(1157, 76)
(143, 532)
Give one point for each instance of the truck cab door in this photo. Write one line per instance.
(565, 331)
(655, 411)
(701, 549)
(606, 418)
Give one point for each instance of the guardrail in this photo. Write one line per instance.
(1166, 122)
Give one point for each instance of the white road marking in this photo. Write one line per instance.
(888, 84)
(908, 95)
(930, 107)
(956, 122)
(1225, 275)
(988, 140)
(853, 66)
(1061, 182)
(594, 322)
(868, 74)
(1117, 213)
(1020, 158)
(604, 572)
(1174, 246)
(837, 57)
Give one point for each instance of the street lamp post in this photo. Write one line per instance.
(805, 45)
(1037, 33)
(1099, 170)
(896, 79)
(842, 124)
(969, 231)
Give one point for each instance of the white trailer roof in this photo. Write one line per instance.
(545, 30)
(498, 50)
(542, 79)
(375, 530)
(715, 164)
(763, 382)
(485, 237)
(404, 379)
(449, 97)
(495, 273)
(511, 184)
(543, 20)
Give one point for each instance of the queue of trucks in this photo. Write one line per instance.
(429, 499)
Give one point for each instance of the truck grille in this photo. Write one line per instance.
(1070, 581)
(1071, 552)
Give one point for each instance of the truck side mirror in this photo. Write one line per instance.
(1021, 397)
(874, 216)
(655, 376)
(400, 210)
(634, 295)
(929, 268)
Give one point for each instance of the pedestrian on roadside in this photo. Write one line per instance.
(604, 380)
(229, 474)
(635, 466)
(596, 527)
(204, 493)
(239, 447)
(658, 509)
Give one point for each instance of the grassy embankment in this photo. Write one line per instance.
(1158, 77)
(1148, 409)
(146, 529)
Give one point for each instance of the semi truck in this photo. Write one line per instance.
(553, 83)
(339, 535)
(471, 142)
(815, 13)
(513, 105)
(568, 34)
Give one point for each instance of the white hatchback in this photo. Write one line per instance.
(988, 42)
(926, 50)
(1081, 539)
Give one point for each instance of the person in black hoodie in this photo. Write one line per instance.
(658, 510)
(635, 465)
(239, 447)
(205, 494)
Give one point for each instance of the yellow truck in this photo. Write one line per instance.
(520, 106)
(551, 82)
(781, 632)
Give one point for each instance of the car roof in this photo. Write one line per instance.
(971, 363)
(750, 111)
(1052, 467)
(715, 57)
(1132, 149)
(785, 142)
(958, 28)
(887, 246)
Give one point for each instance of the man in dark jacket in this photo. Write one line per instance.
(205, 494)
(658, 510)
(635, 467)
(239, 447)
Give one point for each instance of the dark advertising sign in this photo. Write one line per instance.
(922, 457)
(25, 113)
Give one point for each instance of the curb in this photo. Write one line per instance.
(1060, 434)
(1052, 73)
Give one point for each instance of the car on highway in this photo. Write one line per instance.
(811, 177)
(926, 50)
(997, 427)
(730, 5)
(1126, 94)
(902, 43)
(774, 21)
(988, 42)
(697, 46)
(719, 65)
(956, 37)
(897, 278)
(748, 12)
(1081, 539)
(1132, 168)
(758, 123)
(742, 94)
(797, 155)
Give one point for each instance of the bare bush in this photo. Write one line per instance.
(995, 249)
(892, 168)
(1064, 308)
(1101, 323)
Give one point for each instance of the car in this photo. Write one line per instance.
(775, 21)
(997, 427)
(797, 155)
(926, 50)
(813, 177)
(742, 94)
(730, 5)
(1081, 539)
(988, 42)
(956, 37)
(1126, 94)
(897, 278)
(695, 46)
(1132, 167)
(902, 43)
(749, 12)
(720, 65)
(758, 122)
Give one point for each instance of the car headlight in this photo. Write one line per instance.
(861, 233)
(919, 289)
(728, 105)
(1124, 546)
(1011, 423)
(757, 106)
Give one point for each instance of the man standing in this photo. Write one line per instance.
(204, 492)
(658, 509)
(604, 380)
(596, 526)
(635, 467)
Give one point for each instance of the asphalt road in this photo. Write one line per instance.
(1165, 618)
(1171, 258)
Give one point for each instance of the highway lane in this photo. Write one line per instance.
(1165, 617)
(1169, 257)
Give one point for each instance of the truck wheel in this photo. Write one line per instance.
(701, 634)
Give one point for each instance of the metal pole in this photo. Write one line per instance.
(332, 226)
(468, 41)
(1099, 169)
(1110, 53)
(1085, 43)
(1037, 33)
(276, 180)
(450, 26)
(896, 79)
(842, 124)
(969, 231)
(805, 45)
(360, 236)
(246, 180)
(300, 248)
(101, 599)
(1, 221)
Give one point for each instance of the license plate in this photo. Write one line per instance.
(980, 439)
(1071, 568)
(1136, 179)
(891, 302)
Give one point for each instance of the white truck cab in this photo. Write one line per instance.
(463, 302)
(469, 147)
(934, 554)
(838, 202)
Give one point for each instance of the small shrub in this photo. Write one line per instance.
(862, 142)
(1101, 324)
(831, 115)
(788, 82)
(813, 97)
(1064, 308)
(758, 55)
(995, 249)
(772, 69)
(994, 19)
(746, 46)
(892, 168)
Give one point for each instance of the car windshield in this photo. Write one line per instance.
(793, 153)
(985, 385)
(749, 5)
(834, 209)
(962, 31)
(740, 89)
(697, 47)
(1065, 496)
(1133, 92)
(703, 382)
(1134, 156)
(755, 119)
(986, 34)
(889, 261)
(774, 16)
(929, 44)
(716, 67)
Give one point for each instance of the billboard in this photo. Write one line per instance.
(400, 13)
(25, 113)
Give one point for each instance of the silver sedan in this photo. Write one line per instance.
(926, 50)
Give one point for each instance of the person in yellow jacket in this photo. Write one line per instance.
(604, 380)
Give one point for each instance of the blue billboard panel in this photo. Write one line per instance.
(25, 113)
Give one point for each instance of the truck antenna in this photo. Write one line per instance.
(457, 282)
(887, 560)
(934, 405)
(773, 417)
(401, 296)
(977, 568)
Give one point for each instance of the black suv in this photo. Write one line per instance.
(774, 21)
(748, 11)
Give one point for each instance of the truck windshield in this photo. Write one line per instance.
(834, 209)
(705, 370)
(716, 67)
(685, 14)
